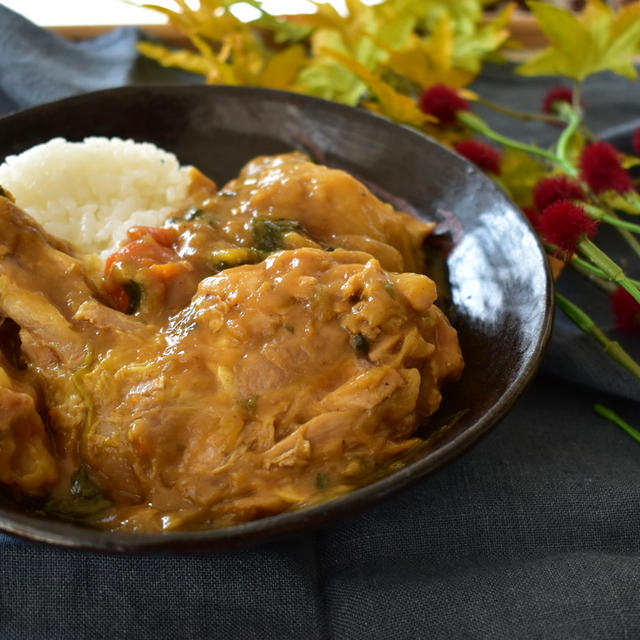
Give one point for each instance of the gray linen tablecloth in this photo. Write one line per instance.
(534, 533)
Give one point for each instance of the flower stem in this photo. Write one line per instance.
(573, 122)
(591, 269)
(577, 96)
(630, 239)
(612, 416)
(584, 322)
(479, 126)
(591, 273)
(609, 206)
(520, 115)
(599, 214)
(626, 235)
(611, 270)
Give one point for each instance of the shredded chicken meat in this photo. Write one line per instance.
(272, 346)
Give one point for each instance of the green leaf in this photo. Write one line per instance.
(324, 77)
(85, 499)
(268, 234)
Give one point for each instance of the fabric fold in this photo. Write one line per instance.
(38, 66)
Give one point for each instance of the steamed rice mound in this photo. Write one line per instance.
(91, 192)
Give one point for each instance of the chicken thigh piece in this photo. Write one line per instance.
(331, 206)
(310, 364)
(42, 288)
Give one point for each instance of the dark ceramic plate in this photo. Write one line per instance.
(499, 290)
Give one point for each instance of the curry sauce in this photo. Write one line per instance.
(270, 347)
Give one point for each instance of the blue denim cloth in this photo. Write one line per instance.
(531, 534)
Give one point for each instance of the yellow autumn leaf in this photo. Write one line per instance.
(211, 19)
(519, 173)
(627, 16)
(472, 48)
(449, 136)
(574, 148)
(182, 59)
(281, 29)
(394, 26)
(176, 18)
(220, 72)
(282, 69)
(322, 75)
(384, 21)
(596, 40)
(466, 14)
(629, 162)
(349, 26)
(429, 61)
(391, 103)
(245, 58)
(621, 203)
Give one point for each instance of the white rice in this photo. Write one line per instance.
(91, 192)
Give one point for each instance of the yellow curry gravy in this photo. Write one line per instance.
(271, 346)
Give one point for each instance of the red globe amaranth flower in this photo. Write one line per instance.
(443, 102)
(626, 310)
(601, 169)
(554, 188)
(636, 141)
(481, 154)
(561, 93)
(564, 224)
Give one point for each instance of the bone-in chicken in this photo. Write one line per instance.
(268, 348)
